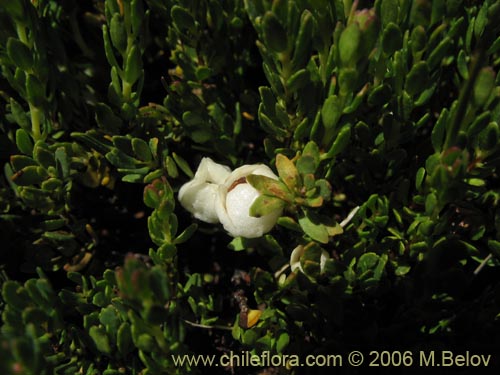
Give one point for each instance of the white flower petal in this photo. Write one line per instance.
(199, 195)
(295, 259)
(235, 200)
(297, 254)
(218, 195)
(322, 261)
(234, 212)
(246, 170)
(210, 171)
(199, 199)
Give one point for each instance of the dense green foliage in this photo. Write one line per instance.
(107, 107)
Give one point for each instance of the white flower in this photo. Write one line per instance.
(297, 254)
(236, 196)
(216, 194)
(199, 195)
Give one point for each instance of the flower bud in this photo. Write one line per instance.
(199, 195)
(216, 194)
(236, 196)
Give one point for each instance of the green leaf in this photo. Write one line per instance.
(438, 131)
(138, 16)
(349, 44)
(52, 184)
(59, 236)
(239, 244)
(298, 80)
(315, 201)
(16, 9)
(481, 20)
(287, 172)
(18, 162)
(106, 119)
(312, 226)
(123, 143)
(249, 337)
(488, 138)
(20, 54)
(31, 175)
(172, 170)
(274, 34)
(439, 53)
(133, 67)
(402, 270)
(341, 142)
(311, 259)
(269, 186)
(347, 80)
(15, 295)
(24, 142)
(282, 116)
(303, 43)
(479, 124)
(108, 50)
(265, 205)
(268, 101)
(389, 10)
(133, 178)
(62, 162)
(418, 39)
(100, 339)
(392, 39)
(462, 64)
(419, 177)
(53, 224)
(311, 149)
(306, 165)
(151, 196)
(269, 125)
(282, 342)
(141, 150)
(35, 91)
(151, 176)
(438, 11)
(331, 111)
(90, 139)
(273, 78)
(183, 20)
(183, 165)
(495, 47)
(366, 262)
(186, 234)
(425, 96)
(417, 79)
(120, 159)
(494, 246)
(289, 223)
(43, 156)
(203, 73)
(118, 32)
(110, 320)
(430, 203)
(483, 86)
(324, 188)
(19, 114)
(380, 95)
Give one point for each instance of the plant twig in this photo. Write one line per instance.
(205, 326)
(483, 263)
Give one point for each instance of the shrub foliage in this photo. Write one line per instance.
(107, 107)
